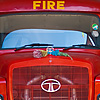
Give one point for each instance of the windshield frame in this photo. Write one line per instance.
(95, 39)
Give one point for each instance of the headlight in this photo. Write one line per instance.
(1, 97)
(98, 97)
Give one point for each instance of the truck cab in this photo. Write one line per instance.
(49, 50)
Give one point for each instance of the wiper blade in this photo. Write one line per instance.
(32, 45)
(83, 46)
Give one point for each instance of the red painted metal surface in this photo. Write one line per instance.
(45, 61)
(3, 88)
(23, 58)
(9, 59)
(70, 5)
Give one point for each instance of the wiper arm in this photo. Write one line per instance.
(83, 46)
(32, 45)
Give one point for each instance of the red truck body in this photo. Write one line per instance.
(24, 77)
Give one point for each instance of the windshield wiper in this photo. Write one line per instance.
(83, 46)
(32, 45)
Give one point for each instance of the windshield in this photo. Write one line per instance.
(57, 28)
(59, 38)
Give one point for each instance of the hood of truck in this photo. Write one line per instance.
(26, 57)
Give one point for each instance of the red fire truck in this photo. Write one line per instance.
(49, 49)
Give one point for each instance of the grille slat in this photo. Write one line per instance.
(27, 82)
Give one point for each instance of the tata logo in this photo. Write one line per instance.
(48, 4)
(50, 85)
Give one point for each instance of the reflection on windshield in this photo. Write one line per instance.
(60, 38)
